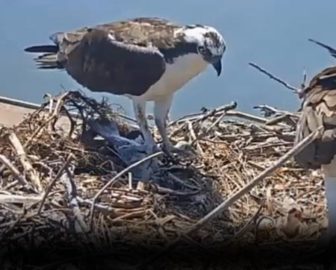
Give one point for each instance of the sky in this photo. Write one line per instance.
(271, 33)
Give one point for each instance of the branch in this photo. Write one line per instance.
(277, 79)
(331, 50)
(67, 179)
(13, 198)
(28, 168)
(4, 160)
(52, 183)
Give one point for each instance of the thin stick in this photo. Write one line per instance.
(331, 50)
(116, 178)
(25, 161)
(13, 198)
(130, 181)
(245, 228)
(194, 138)
(277, 79)
(67, 179)
(58, 106)
(238, 194)
(52, 183)
(5, 161)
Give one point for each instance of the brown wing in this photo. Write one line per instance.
(319, 108)
(139, 31)
(103, 64)
(128, 64)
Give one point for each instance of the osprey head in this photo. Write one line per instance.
(210, 44)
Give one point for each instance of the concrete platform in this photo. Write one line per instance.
(12, 111)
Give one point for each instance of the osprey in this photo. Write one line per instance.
(145, 59)
(319, 109)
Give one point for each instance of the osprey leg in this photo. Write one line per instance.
(161, 111)
(139, 107)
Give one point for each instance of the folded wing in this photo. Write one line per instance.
(318, 108)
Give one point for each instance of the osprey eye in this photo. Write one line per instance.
(202, 49)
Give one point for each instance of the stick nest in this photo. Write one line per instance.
(51, 172)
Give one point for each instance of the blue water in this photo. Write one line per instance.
(271, 33)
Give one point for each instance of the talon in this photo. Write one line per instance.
(178, 152)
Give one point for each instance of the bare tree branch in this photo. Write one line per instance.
(296, 90)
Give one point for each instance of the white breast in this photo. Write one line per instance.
(176, 76)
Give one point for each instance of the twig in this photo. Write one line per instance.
(13, 169)
(181, 182)
(24, 160)
(220, 118)
(71, 188)
(116, 178)
(130, 181)
(238, 194)
(194, 137)
(287, 85)
(52, 183)
(13, 198)
(246, 116)
(224, 108)
(163, 190)
(331, 50)
(204, 115)
(269, 110)
(107, 209)
(244, 229)
(58, 106)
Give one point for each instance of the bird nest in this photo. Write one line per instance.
(63, 184)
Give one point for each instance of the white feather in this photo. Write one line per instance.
(197, 34)
(177, 74)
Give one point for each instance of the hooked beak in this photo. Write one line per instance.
(218, 66)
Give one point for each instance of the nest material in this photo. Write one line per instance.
(51, 174)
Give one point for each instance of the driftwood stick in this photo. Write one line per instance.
(105, 209)
(277, 79)
(238, 194)
(52, 183)
(201, 116)
(216, 122)
(224, 108)
(79, 223)
(194, 137)
(5, 161)
(13, 198)
(247, 116)
(116, 178)
(31, 172)
(269, 110)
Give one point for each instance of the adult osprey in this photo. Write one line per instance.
(145, 59)
(319, 109)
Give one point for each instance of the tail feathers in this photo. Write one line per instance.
(42, 49)
(48, 59)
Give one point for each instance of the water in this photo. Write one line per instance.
(271, 33)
